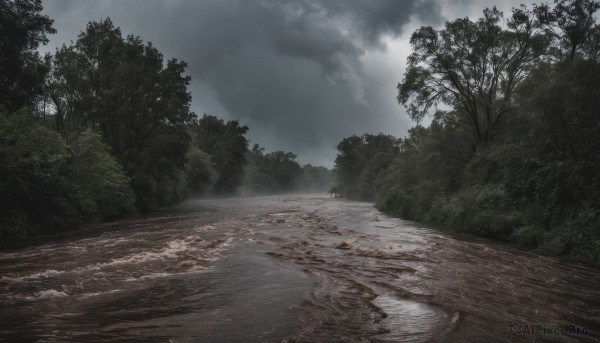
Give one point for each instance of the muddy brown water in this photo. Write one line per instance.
(294, 268)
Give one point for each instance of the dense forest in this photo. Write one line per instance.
(513, 149)
(103, 128)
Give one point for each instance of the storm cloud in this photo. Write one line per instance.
(301, 74)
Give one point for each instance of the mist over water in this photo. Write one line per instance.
(285, 268)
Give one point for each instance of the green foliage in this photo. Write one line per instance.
(361, 161)
(315, 179)
(172, 187)
(429, 165)
(280, 165)
(146, 190)
(34, 191)
(101, 186)
(161, 183)
(571, 26)
(49, 186)
(256, 182)
(227, 146)
(528, 237)
(516, 159)
(122, 88)
(584, 243)
(200, 172)
(473, 66)
(483, 210)
(22, 71)
(275, 172)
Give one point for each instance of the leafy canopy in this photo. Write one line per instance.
(122, 88)
(22, 71)
(472, 66)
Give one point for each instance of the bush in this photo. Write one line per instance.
(397, 202)
(581, 238)
(101, 185)
(35, 194)
(172, 189)
(201, 176)
(480, 210)
(528, 237)
(49, 186)
(144, 187)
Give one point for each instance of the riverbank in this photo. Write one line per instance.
(569, 243)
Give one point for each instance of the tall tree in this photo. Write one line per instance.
(47, 185)
(361, 161)
(22, 70)
(227, 145)
(201, 174)
(122, 88)
(275, 172)
(283, 169)
(572, 26)
(349, 164)
(473, 66)
(256, 180)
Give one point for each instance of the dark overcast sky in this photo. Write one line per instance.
(301, 74)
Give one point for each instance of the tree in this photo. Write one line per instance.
(360, 162)
(275, 172)
(123, 89)
(47, 185)
(430, 164)
(33, 191)
(201, 174)
(561, 166)
(280, 165)
(99, 181)
(256, 180)
(349, 163)
(227, 145)
(531, 177)
(22, 71)
(473, 67)
(572, 26)
(315, 179)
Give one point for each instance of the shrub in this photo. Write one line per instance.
(35, 194)
(49, 186)
(528, 237)
(201, 176)
(101, 185)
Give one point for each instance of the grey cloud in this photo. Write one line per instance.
(291, 70)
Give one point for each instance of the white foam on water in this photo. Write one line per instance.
(195, 269)
(106, 243)
(50, 293)
(94, 294)
(409, 321)
(148, 276)
(170, 251)
(45, 273)
(204, 228)
(277, 214)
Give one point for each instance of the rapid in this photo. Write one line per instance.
(291, 268)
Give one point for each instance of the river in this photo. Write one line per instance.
(294, 268)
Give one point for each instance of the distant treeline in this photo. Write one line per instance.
(103, 128)
(516, 156)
